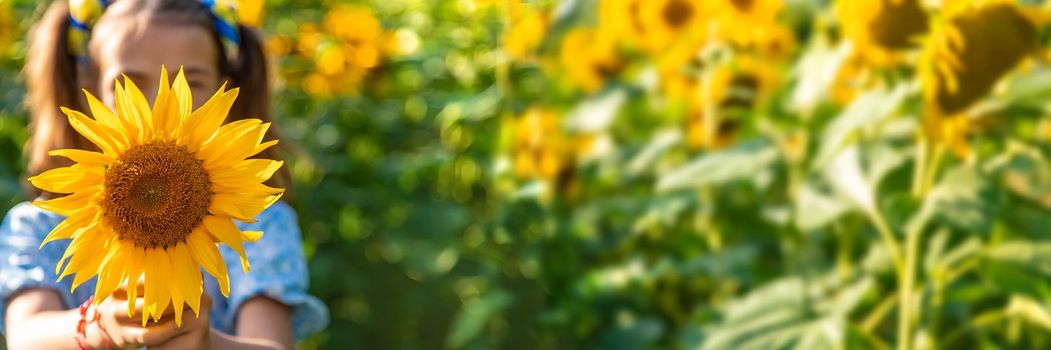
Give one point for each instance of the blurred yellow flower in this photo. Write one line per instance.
(539, 144)
(347, 46)
(279, 45)
(743, 84)
(664, 22)
(967, 53)
(589, 58)
(526, 31)
(251, 12)
(308, 37)
(879, 29)
(848, 81)
(354, 24)
(748, 22)
(620, 19)
(704, 126)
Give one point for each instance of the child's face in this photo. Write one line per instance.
(140, 56)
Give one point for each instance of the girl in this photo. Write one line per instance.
(87, 44)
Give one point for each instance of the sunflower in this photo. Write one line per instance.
(525, 33)
(748, 22)
(967, 54)
(589, 58)
(539, 144)
(663, 23)
(158, 197)
(882, 29)
(621, 19)
(746, 83)
(345, 49)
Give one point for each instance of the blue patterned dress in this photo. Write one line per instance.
(279, 269)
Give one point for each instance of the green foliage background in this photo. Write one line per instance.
(419, 236)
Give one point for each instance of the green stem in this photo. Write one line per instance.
(918, 172)
(888, 238)
(928, 157)
(905, 299)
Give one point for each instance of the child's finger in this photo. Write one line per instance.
(153, 334)
(122, 291)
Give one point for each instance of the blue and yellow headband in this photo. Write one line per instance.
(84, 13)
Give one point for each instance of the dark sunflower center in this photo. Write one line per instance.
(676, 13)
(156, 194)
(742, 5)
(898, 24)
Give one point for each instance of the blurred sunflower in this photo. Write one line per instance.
(621, 19)
(251, 12)
(543, 150)
(344, 50)
(159, 196)
(525, 32)
(589, 58)
(662, 23)
(746, 83)
(748, 22)
(881, 29)
(848, 81)
(969, 51)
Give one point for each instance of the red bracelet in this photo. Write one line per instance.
(82, 326)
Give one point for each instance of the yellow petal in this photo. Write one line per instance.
(85, 266)
(187, 276)
(98, 134)
(224, 230)
(72, 226)
(210, 120)
(244, 185)
(136, 261)
(156, 287)
(70, 204)
(106, 116)
(221, 143)
(239, 147)
(168, 267)
(83, 157)
(251, 236)
(165, 108)
(202, 123)
(67, 179)
(111, 272)
(204, 252)
(142, 119)
(249, 170)
(183, 96)
(240, 206)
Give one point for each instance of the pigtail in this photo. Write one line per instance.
(51, 76)
(251, 73)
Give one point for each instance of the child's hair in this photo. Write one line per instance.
(55, 77)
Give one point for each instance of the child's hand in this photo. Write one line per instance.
(195, 332)
(125, 332)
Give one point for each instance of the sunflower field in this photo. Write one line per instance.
(656, 174)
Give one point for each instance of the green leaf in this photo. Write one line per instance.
(866, 110)
(964, 199)
(815, 209)
(789, 313)
(472, 319)
(743, 161)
